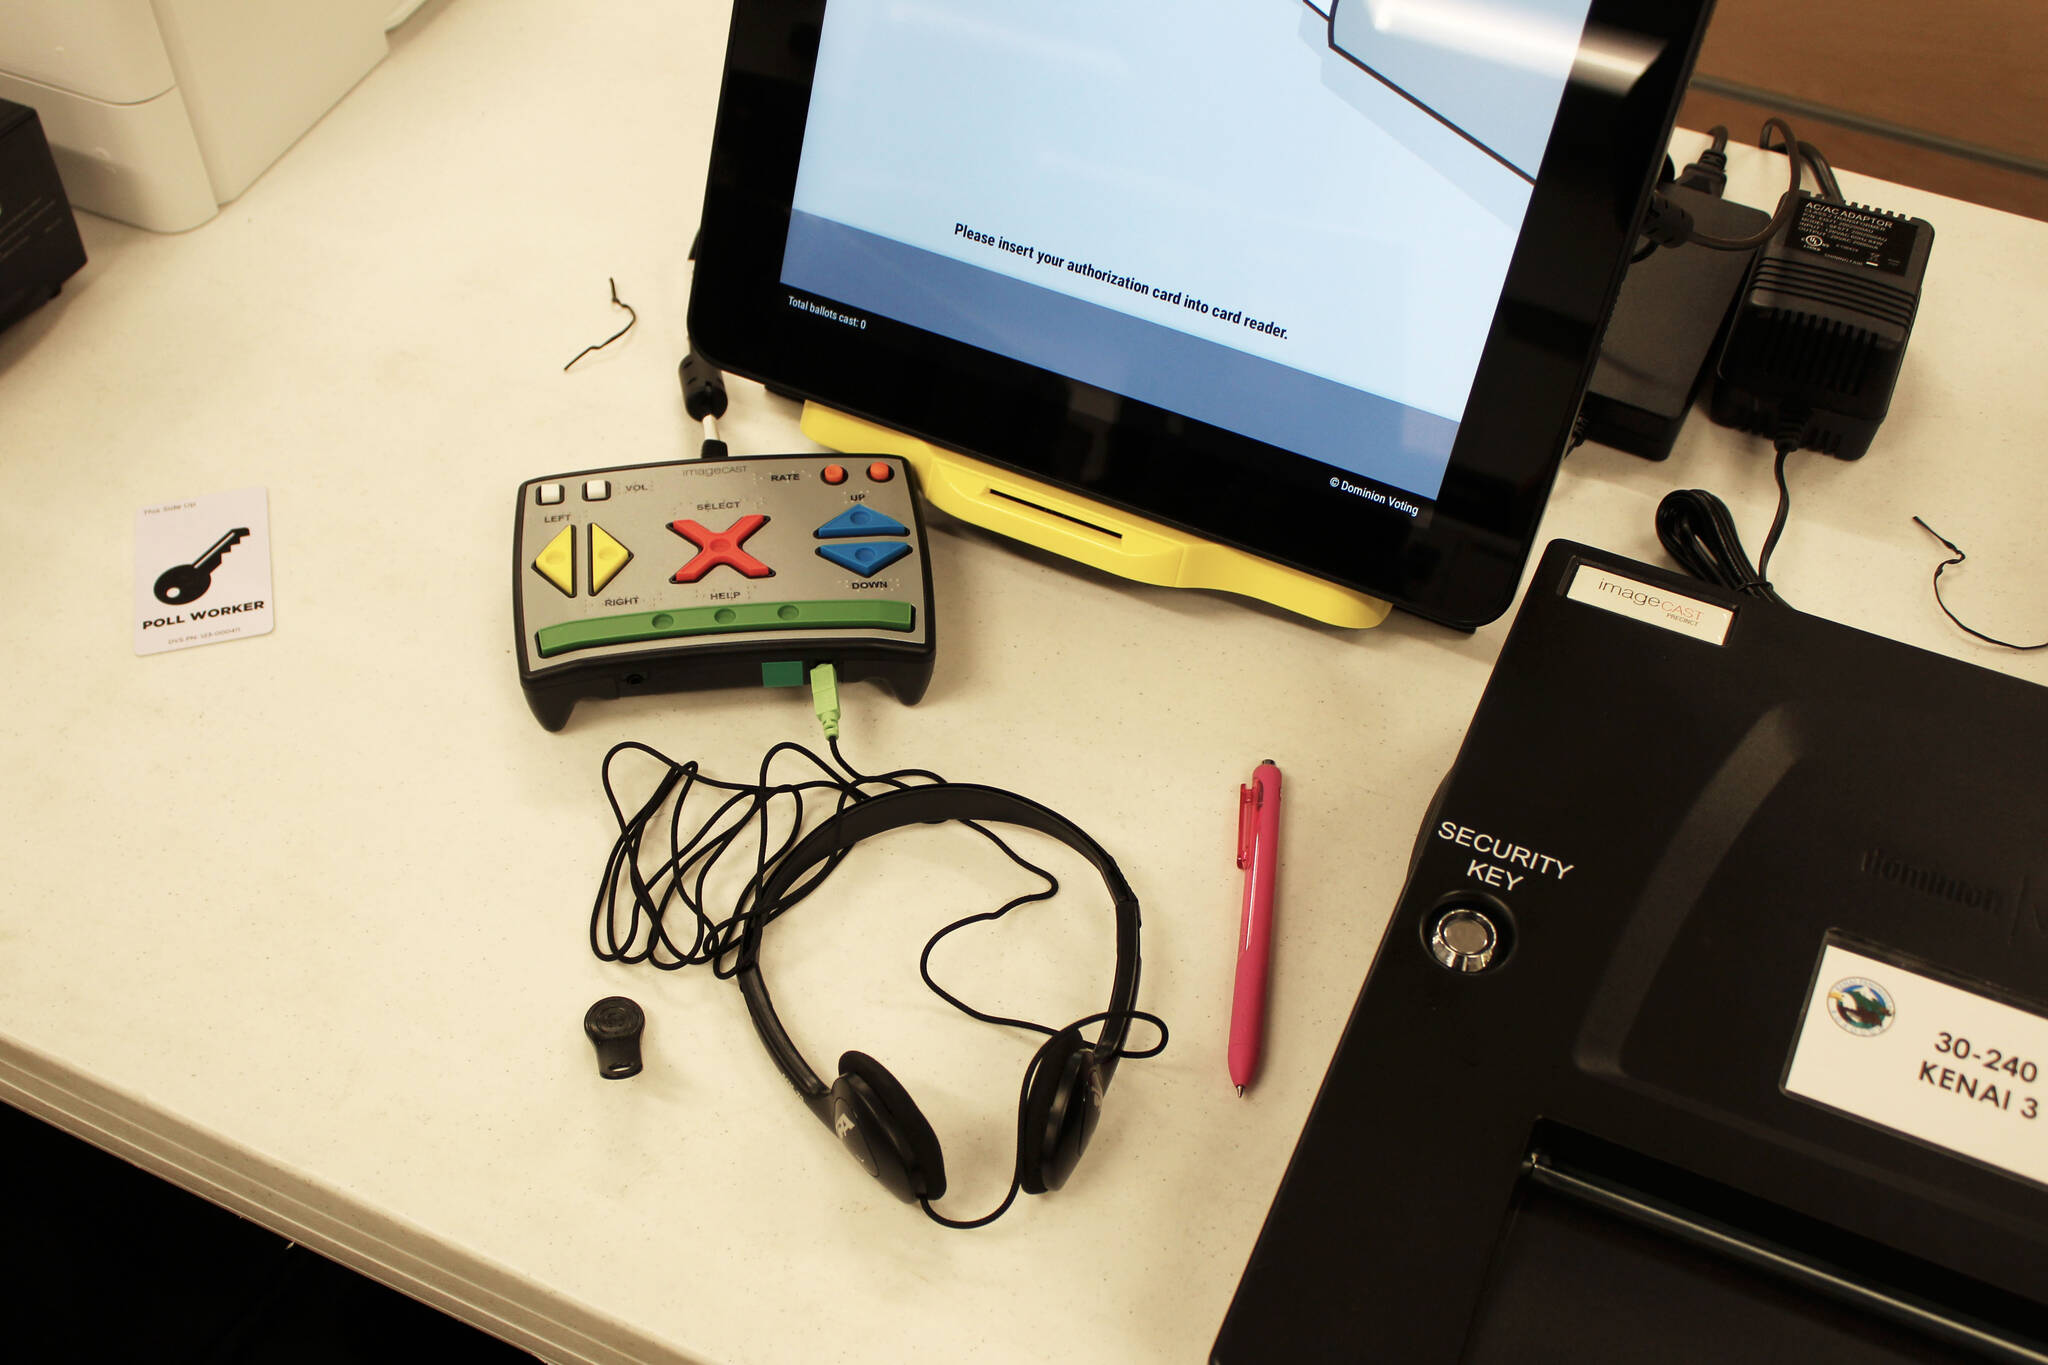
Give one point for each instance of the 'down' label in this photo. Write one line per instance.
(1919, 1056)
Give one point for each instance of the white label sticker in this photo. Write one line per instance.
(202, 571)
(1598, 587)
(1921, 1057)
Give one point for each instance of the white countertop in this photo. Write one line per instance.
(300, 920)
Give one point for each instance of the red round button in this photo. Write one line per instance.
(881, 472)
(834, 473)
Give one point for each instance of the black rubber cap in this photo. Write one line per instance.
(614, 1025)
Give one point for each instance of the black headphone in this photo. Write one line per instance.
(868, 1109)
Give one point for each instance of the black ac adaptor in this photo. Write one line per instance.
(1666, 323)
(1814, 346)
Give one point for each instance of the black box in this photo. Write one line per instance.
(1667, 324)
(1814, 348)
(1610, 1094)
(39, 244)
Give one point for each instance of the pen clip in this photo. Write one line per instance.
(1248, 800)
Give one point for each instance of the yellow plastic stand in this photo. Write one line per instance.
(1098, 536)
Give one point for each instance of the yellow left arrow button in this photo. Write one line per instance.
(557, 563)
(607, 557)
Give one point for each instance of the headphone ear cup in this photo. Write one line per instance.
(881, 1126)
(1059, 1113)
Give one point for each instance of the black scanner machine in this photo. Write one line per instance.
(1712, 1023)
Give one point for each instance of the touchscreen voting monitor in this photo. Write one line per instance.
(1317, 279)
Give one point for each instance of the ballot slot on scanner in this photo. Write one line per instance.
(1713, 1021)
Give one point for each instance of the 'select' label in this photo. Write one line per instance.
(1598, 587)
(1918, 1056)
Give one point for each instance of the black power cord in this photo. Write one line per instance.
(1694, 525)
(1698, 531)
(1666, 223)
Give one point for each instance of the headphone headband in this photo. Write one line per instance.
(931, 804)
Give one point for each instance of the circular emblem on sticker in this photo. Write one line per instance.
(1861, 1006)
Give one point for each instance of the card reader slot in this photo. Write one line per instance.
(1041, 509)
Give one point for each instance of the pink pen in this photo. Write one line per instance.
(1258, 849)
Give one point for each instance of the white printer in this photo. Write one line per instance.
(160, 111)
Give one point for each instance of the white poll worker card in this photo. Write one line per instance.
(202, 570)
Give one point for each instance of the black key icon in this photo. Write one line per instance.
(182, 583)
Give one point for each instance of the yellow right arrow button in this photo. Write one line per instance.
(607, 557)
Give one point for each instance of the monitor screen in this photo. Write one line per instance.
(1287, 227)
(1320, 279)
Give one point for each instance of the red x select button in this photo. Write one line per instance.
(720, 547)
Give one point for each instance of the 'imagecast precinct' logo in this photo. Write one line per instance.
(1861, 1006)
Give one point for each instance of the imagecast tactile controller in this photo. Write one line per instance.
(719, 573)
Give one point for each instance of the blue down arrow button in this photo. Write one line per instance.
(865, 557)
